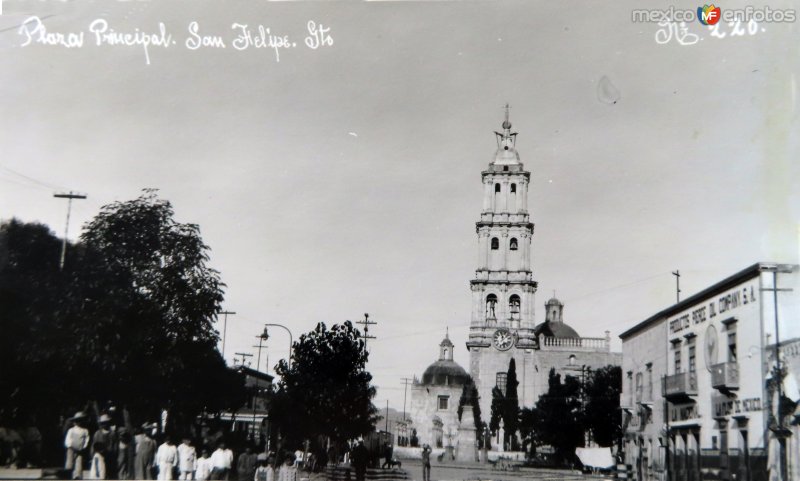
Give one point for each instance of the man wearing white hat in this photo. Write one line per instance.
(76, 442)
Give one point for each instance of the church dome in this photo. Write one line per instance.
(556, 329)
(445, 372)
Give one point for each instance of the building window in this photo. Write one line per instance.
(572, 360)
(692, 358)
(495, 243)
(513, 244)
(444, 403)
(513, 188)
(732, 346)
(496, 188)
(678, 366)
(649, 392)
(500, 381)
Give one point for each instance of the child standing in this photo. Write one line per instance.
(98, 469)
(187, 457)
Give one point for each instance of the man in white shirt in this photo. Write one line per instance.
(204, 467)
(76, 442)
(221, 461)
(166, 459)
(187, 457)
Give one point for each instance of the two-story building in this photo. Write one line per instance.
(711, 417)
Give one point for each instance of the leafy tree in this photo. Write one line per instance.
(511, 405)
(529, 430)
(325, 389)
(603, 416)
(559, 417)
(470, 397)
(146, 301)
(129, 320)
(31, 302)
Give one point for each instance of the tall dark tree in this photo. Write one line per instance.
(559, 416)
(470, 396)
(498, 402)
(603, 416)
(325, 389)
(529, 430)
(511, 405)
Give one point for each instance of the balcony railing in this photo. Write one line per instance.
(680, 385)
(725, 376)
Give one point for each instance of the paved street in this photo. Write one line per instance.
(448, 472)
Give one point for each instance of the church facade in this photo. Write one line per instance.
(503, 324)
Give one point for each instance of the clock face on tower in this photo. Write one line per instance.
(503, 339)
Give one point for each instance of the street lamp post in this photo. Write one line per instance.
(261, 338)
(266, 334)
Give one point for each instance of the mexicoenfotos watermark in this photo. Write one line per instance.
(710, 15)
(674, 22)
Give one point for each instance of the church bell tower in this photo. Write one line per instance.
(502, 324)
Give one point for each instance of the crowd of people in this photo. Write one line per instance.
(112, 453)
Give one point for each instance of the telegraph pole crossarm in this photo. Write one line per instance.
(366, 323)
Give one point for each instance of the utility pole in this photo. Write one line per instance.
(387, 415)
(225, 329)
(366, 323)
(69, 198)
(243, 355)
(677, 275)
(780, 432)
(406, 382)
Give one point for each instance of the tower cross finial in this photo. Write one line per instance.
(506, 122)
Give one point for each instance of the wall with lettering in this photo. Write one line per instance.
(718, 339)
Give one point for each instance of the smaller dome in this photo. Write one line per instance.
(441, 373)
(553, 302)
(506, 124)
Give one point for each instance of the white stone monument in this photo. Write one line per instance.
(467, 441)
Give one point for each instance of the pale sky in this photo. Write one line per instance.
(346, 179)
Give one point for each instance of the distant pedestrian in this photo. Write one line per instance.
(145, 454)
(387, 452)
(359, 458)
(221, 461)
(76, 442)
(97, 469)
(166, 459)
(187, 459)
(288, 471)
(203, 466)
(264, 472)
(426, 462)
(246, 465)
(105, 436)
(126, 453)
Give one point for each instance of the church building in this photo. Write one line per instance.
(434, 399)
(503, 324)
